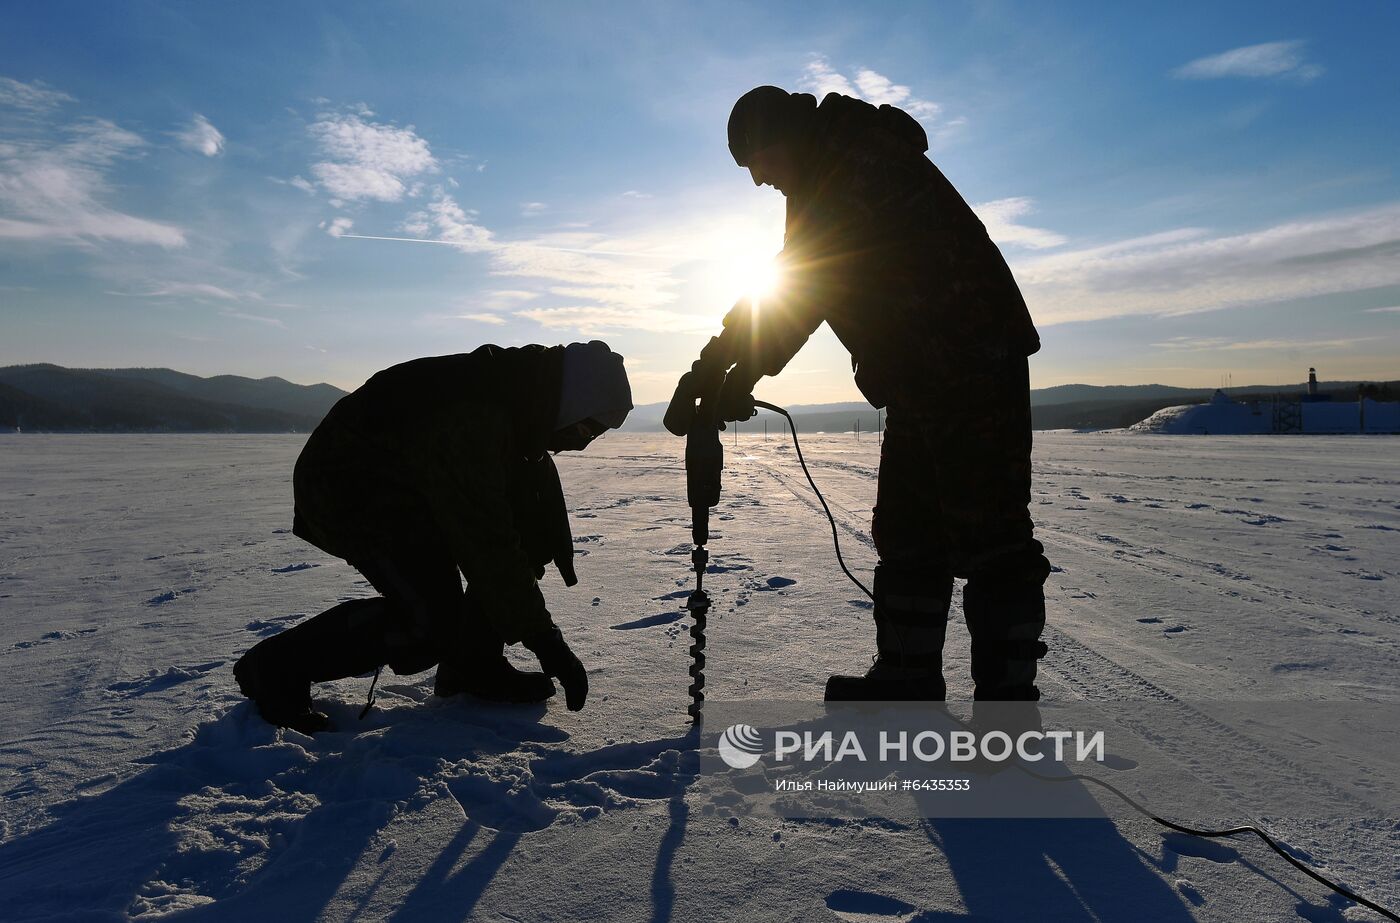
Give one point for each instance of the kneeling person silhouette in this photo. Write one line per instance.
(435, 470)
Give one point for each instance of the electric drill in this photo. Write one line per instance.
(704, 460)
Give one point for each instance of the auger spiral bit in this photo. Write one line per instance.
(704, 462)
(699, 605)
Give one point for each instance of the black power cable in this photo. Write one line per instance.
(835, 540)
(1181, 828)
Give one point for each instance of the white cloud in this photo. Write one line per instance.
(201, 137)
(194, 289)
(590, 281)
(1223, 344)
(1188, 270)
(53, 183)
(1000, 219)
(879, 90)
(636, 194)
(302, 183)
(598, 319)
(368, 160)
(456, 225)
(199, 291)
(494, 320)
(819, 79)
(254, 318)
(531, 209)
(338, 227)
(33, 97)
(1392, 310)
(1270, 59)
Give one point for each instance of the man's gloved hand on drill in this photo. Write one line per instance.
(735, 402)
(559, 662)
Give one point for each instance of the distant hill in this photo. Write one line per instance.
(1062, 407)
(55, 399)
(50, 398)
(262, 393)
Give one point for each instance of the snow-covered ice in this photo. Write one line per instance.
(137, 783)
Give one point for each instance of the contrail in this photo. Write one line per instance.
(463, 243)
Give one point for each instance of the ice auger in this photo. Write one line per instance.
(704, 462)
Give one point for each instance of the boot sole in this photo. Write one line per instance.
(865, 689)
(306, 722)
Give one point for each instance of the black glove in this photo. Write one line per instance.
(736, 396)
(559, 662)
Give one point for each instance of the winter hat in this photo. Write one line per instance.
(594, 386)
(767, 115)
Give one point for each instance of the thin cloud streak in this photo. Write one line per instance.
(53, 178)
(597, 320)
(33, 97)
(1186, 270)
(1223, 344)
(1000, 216)
(465, 245)
(1270, 59)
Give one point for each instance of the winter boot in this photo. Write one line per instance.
(1005, 620)
(277, 673)
(479, 668)
(911, 620)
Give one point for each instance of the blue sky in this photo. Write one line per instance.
(1183, 191)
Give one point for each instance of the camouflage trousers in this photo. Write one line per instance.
(955, 479)
(953, 501)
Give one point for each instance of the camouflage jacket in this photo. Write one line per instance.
(882, 247)
(446, 455)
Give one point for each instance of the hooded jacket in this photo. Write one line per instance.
(446, 456)
(881, 246)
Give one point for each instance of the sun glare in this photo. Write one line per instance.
(750, 277)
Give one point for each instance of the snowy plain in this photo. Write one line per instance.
(138, 784)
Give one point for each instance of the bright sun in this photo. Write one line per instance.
(747, 276)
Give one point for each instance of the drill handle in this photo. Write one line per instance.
(700, 526)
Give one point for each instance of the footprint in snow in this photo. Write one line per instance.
(264, 627)
(50, 637)
(1298, 666)
(1363, 574)
(154, 681)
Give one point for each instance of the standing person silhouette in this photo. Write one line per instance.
(881, 246)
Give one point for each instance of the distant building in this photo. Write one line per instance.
(1308, 413)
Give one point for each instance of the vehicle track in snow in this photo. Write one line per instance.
(1082, 672)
